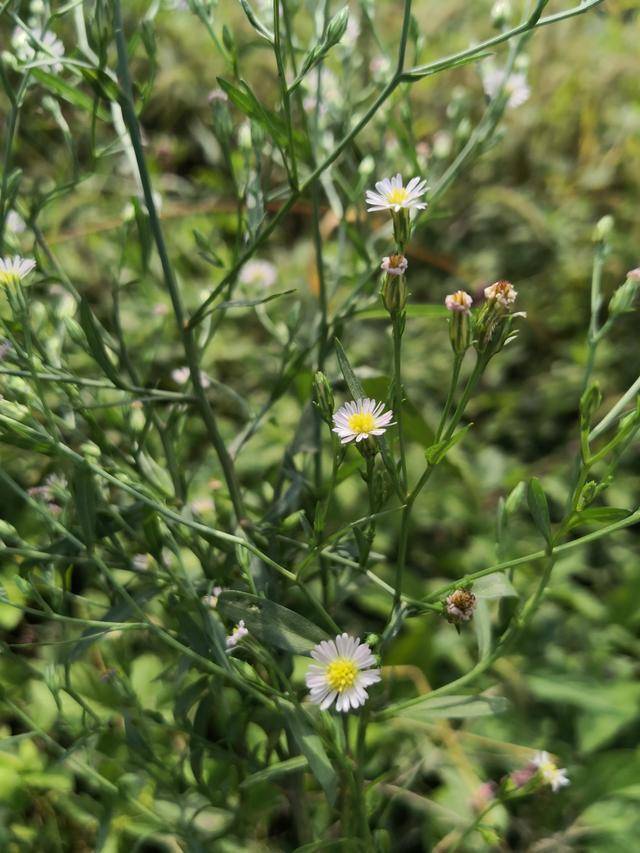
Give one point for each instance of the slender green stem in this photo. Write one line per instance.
(398, 321)
(186, 334)
(286, 97)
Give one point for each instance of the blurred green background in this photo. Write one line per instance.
(525, 211)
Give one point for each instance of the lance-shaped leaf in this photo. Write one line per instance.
(94, 335)
(310, 745)
(539, 509)
(452, 707)
(271, 623)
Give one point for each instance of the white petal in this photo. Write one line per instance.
(328, 700)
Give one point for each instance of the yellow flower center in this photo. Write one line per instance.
(548, 769)
(398, 195)
(341, 674)
(361, 422)
(6, 277)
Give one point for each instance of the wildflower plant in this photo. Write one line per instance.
(207, 503)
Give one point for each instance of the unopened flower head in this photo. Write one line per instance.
(514, 85)
(460, 605)
(634, 275)
(394, 264)
(345, 668)
(211, 600)
(181, 375)
(392, 195)
(237, 634)
(553, 775)
(360, 419)
(15, 223)
(501, 292)
(15, 269)
(258, 273)
(460, 302)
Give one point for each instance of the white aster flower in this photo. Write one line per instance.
(141, 562)
(394, 265)
(634, 275)
(344, 670)
(237, 634)
(513, 85)
(502, 292)
(458, 301)
(258, 274)
(391, 195)
(15, 268)
(555, 776)
(361, 418)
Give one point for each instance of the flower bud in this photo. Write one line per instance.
(460, 323)
(394, 265)
(499, 299)
(603, 229)
(589, 403)
(623, 299)
(501, 13)
(380, 489)
(394, 287)
(323, 397)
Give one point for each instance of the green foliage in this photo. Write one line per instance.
(179, 525)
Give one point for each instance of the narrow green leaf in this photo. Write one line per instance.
(433, 68)
(311, 746)
(438, 451)
(539, 508)
(412, 311)
(452, 707)
(353, 383)
(599, 515)
(271, 623)
(155, 474)
(275, 771)
(84, 494)
(497, 585)
(71, 94)
(93, 333)
(482, 628)
(250, 303)
(258, 26)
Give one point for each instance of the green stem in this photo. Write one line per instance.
(397, 327)
(186, 334)
(286, 98)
